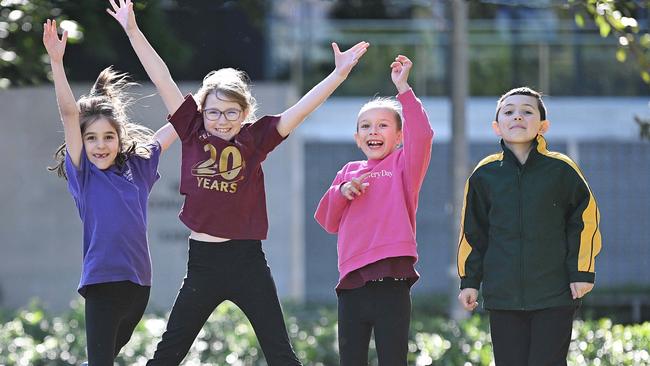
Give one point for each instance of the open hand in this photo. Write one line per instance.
(355, 187)
(123, 13)
(400, 69)
(580, 289)
(468, 297)
(55, 47)
(345, 61)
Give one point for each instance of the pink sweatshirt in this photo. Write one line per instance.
(381, 223)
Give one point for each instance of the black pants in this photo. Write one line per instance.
(384, 306)
(237, 271)
(113, 309)
(532, 338)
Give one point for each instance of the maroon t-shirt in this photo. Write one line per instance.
(222, 181)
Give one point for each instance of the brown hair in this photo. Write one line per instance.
(108, 99)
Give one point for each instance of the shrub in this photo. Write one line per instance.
(32, 337)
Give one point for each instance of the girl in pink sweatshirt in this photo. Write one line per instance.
(371, 205)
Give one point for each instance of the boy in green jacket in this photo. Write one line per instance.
(530, 235)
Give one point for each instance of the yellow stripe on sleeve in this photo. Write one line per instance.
(464, 247)
(590, 239)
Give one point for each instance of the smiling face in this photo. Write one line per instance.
(377, 133)
(101, 143)
(222, 127)
(518, 120)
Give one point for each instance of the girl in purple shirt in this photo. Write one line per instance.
(110, 165)
(223, 146)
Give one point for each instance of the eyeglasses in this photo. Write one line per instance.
(214, 114)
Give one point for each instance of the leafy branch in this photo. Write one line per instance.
(618, 18)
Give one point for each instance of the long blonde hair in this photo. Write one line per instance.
(109, 99)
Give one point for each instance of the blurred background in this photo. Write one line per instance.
(590, 58)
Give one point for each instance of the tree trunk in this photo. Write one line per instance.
(459, 148)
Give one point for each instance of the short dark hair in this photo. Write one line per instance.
(524, 90)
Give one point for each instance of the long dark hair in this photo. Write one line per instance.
(108, 98)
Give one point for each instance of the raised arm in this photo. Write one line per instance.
(154, 65)
(345, 61)
(400, 69)
(68, 108)
(416, 129)
(165, 135)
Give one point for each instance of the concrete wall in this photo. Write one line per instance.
(618, 173)
(40, 229)
(599, 133)
(580, 118)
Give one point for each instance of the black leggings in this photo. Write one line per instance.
(113, 309)
(384, 306)
(531, 338)
(237, 271)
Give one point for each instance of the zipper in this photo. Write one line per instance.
(522, 288)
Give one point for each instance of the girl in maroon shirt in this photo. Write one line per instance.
(222, 181)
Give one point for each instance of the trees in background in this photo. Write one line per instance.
(623, 20)
(93, 39)
(208, 34)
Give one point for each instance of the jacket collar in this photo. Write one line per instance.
(537, 150)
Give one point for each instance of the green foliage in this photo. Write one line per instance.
(617, 18)
(32, 337)
(24, 61)
(603, 343)
(21, 61)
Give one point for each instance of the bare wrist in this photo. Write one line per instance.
(337, 74)
(403, 88)
(132, 31)
(341, 187)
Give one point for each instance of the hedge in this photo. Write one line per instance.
(32, 337)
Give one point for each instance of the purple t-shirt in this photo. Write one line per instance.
(222, 181)
(112, 204)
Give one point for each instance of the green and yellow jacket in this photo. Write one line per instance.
(527, 231)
